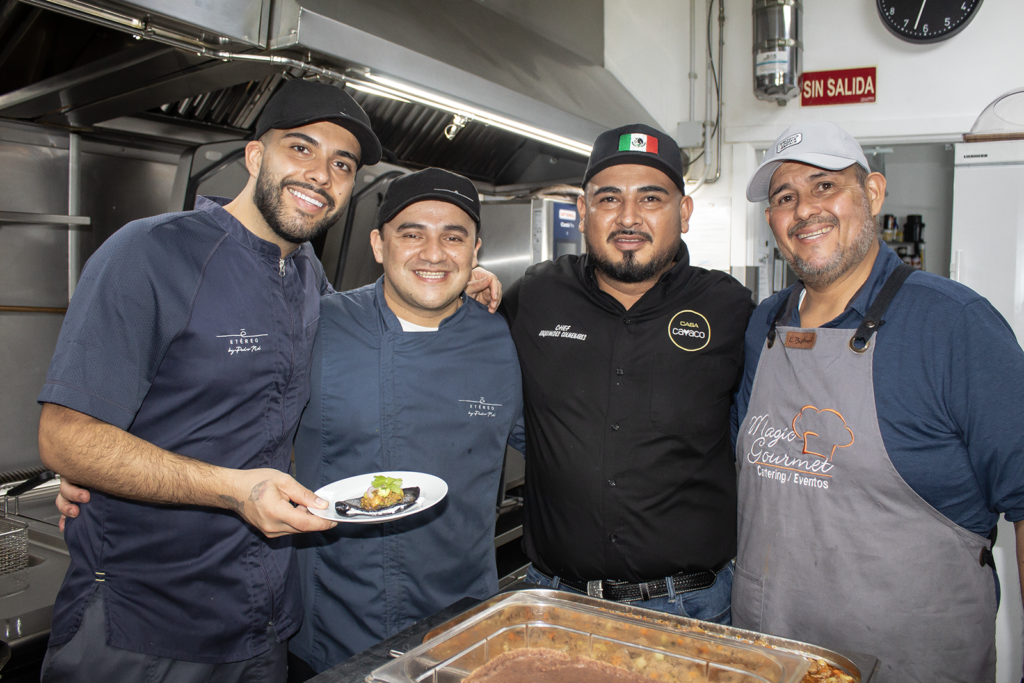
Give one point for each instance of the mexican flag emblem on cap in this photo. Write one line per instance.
(638, 142)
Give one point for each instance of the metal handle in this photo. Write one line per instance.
(954, 272)
(30, 484)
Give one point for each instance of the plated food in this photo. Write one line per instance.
(378, 497)
(384, 497)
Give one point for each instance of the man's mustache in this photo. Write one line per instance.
(630, 233)
(309, 188)
(817, 220)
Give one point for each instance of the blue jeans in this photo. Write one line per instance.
(708, 604)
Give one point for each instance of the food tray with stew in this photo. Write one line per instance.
(542, 635)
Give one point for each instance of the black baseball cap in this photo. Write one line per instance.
(430, 183)
(636, 144)
(298, 103)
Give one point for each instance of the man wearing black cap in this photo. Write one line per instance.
(630, 356)
(173, 395)
(407, 375)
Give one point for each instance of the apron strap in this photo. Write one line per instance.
(791, 301)
(874, 320)
(861, 339)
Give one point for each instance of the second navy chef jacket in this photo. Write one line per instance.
(191, 333)
(442, 402)
(629, 466)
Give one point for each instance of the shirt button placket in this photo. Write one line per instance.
(618, 409)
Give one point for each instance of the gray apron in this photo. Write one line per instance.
(835, 548)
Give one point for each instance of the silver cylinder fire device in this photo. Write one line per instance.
(778, 50)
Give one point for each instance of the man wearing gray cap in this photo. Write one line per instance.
(630, 356)
(408, 374)
(876, 443)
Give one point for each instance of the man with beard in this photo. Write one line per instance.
(630, 357)
(876, 447)
(174, 394)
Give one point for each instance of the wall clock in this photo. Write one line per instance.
(926, 21)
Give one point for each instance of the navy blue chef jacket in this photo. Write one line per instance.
(442, 402)
(192, 333)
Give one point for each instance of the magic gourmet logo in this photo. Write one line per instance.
(817, 432)
(689, 330)
(830, 431)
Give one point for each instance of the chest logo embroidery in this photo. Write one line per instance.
(831, 431)
(563, 332)
(242, 342)
(818, 433)
(689, 330)
(480, 407)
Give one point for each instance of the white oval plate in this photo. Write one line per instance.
(432, 491)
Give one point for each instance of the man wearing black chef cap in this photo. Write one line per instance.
(630, 356)
(175, 390)
(408, 375)
(877, 440)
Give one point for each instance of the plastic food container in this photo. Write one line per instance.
(659, 646)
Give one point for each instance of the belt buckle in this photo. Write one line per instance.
(595, 589)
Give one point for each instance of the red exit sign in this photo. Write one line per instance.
(846, 86)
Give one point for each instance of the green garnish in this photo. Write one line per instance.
(389, 483)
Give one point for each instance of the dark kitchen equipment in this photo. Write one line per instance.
(913, 229)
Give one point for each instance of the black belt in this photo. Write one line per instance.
(623, 591)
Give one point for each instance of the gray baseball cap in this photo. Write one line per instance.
(818, 143)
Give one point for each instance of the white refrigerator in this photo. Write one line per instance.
(987, 255)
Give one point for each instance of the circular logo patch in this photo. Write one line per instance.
(689, 330)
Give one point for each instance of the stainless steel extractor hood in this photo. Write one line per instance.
(467, 51)
(477, 64)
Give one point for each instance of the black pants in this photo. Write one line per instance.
(298, 670)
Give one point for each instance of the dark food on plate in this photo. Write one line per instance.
(544, 665)
(384, 497)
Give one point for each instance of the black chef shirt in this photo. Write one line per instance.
(629, 473)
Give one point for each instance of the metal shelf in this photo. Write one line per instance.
(32, 309)
(42, 218)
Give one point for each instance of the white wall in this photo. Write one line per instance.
(925, 93)
(646, 46)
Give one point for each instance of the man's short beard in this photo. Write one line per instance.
(839, 262)
(629, 270)
(269, 203)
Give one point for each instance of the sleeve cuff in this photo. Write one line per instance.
(89, 404)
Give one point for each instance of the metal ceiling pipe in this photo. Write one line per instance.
(711, 79)
(693, 58)
(719, 89)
